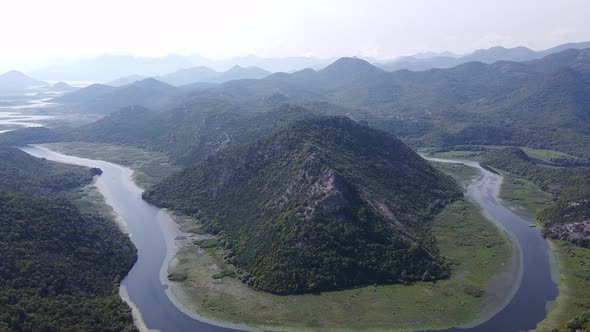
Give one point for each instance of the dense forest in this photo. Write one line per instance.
(59, 268)
(318, 204)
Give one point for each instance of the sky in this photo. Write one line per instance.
(34, 33)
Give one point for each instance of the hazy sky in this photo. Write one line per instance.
(34, 32)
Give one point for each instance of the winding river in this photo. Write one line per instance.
(536, 288)
(152, 230)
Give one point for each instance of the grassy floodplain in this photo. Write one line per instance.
(523, 194)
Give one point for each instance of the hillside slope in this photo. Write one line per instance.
(323, 203)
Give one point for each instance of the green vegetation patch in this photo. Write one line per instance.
(573, 302)
(523, 193)
(207, 243)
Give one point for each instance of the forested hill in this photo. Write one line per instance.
(59, 268)
(321, 203)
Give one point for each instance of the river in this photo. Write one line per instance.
(536, 289)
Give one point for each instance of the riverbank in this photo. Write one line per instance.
(572, 263)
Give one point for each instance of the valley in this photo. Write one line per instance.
(342, 198)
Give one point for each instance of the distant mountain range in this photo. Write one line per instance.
(421, 62)
(198, 74)
(204, 74)
(118, 70)
(107, 68)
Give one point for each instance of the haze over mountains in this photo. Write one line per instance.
(111, 67)
(107, 68)
(491, 55)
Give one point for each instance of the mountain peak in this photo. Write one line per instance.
(351, 62)
(14, 73)
(151, 83)
(351, 67)
(295, 171)
(16, 80)
(235, 68)
(62, 86)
